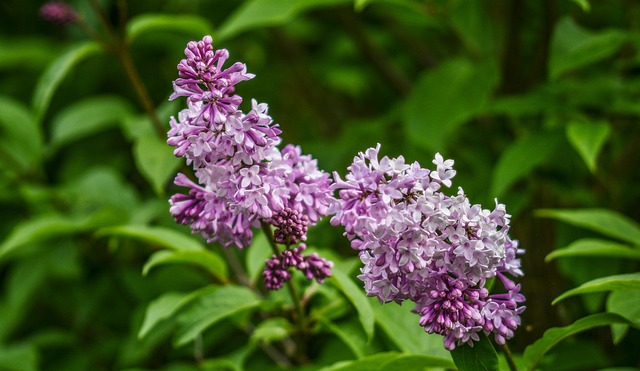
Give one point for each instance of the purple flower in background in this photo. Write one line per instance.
(419, 244)
(58, 12)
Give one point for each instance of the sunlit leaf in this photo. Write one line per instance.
(264, 13)
(168, 305)
(533, 353)
(445, 98)
(186, 23)
(272, 329)
(155, 160)
(522, 157)
(391, 361)
(591, 247)
(160, 236)
(588, 138)
(573, 47)
(55, 74)
(88, 117)
(20, 136)
(607, 222)
(206, 259)
(211, 308)
(357, 297)
(584, 4)
(479, 357)
(629, 281)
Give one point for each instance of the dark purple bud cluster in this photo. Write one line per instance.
(291, 226)
(276, 271)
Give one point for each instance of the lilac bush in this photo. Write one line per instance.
(416, 242)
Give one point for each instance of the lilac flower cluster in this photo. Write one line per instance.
(276, 272)
(243, 179)
(58, 12)
(419, 244)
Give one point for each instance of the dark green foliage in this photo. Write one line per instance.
(537, 101)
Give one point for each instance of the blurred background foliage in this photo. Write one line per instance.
(538, 102)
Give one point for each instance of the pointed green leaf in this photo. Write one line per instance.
(392, 361)
(534, 352)
(401, 326)
(20, 137)
(481, 356)
(264, 13)
(607, 222)
(587, 138)
(445, 98)
(625, 304)
(522, 157)
(160, 236)
(272, 329)
(573, 47)
(591, 247)
(629, 281)
(40, 229)
(185, 23)
(584, 4)
(351, 334)
(209, 309)
(206, 259)
(357, 297)
(56, 72)
(168, 305)
(88, 117)
(155, 160)
(257, 255)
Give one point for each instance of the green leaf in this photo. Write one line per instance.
(625, 304)
(391, 361)
(592, 247)
(42, 228)
(56, 72)
(402, 328)
(210, 309)
(445, 98)
(584, 4)
(185, 23)
(629, 281)
(533, 353)
(88, 117)
(23, 357)
(272, 329)
(257, 255)
(357, 297)
(351, 334)
(587, 138)
(160, 236)
(25, 52)
(155, 160)
(607, 222)
(168, 305)
(264, 13)
(20, 136)
(206, 259)
(522, 157)
(479, 357)
(573, 47)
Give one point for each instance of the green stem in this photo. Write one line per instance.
(509, 357)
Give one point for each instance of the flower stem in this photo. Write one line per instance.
(509, 357)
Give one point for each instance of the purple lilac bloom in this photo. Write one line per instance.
(276, 271)
(243, 179)
(419, 244)
(58, 12)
